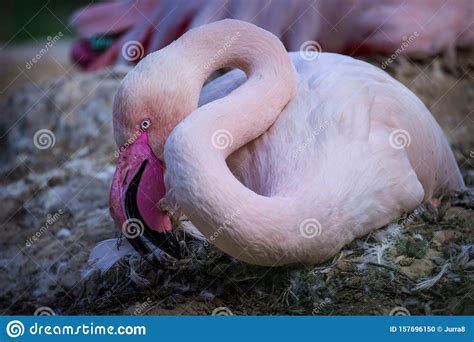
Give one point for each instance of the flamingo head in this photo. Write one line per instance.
(138, 184)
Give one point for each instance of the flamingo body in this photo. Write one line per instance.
(312, 153)
(330, 151)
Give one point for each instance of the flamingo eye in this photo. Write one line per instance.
(145, 124)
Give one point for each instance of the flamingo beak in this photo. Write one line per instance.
(137, 187)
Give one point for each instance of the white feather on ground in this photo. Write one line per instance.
(106, 254)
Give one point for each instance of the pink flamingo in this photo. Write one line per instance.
(352, 27)
(284, 162)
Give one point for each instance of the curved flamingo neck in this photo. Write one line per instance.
(251, 109)
(239, 221)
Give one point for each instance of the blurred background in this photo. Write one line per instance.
(59, 70)
(26, 26)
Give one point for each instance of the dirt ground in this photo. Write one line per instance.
(55, 210)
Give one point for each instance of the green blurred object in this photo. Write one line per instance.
(32, 20)
(101, 43)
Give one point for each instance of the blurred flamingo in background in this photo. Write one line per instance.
(286, 161)
(351, 27)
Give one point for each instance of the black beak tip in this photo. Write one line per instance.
(165, 241)
(141, 247)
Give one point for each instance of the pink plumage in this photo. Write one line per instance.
(354, 27)
(284, 161)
